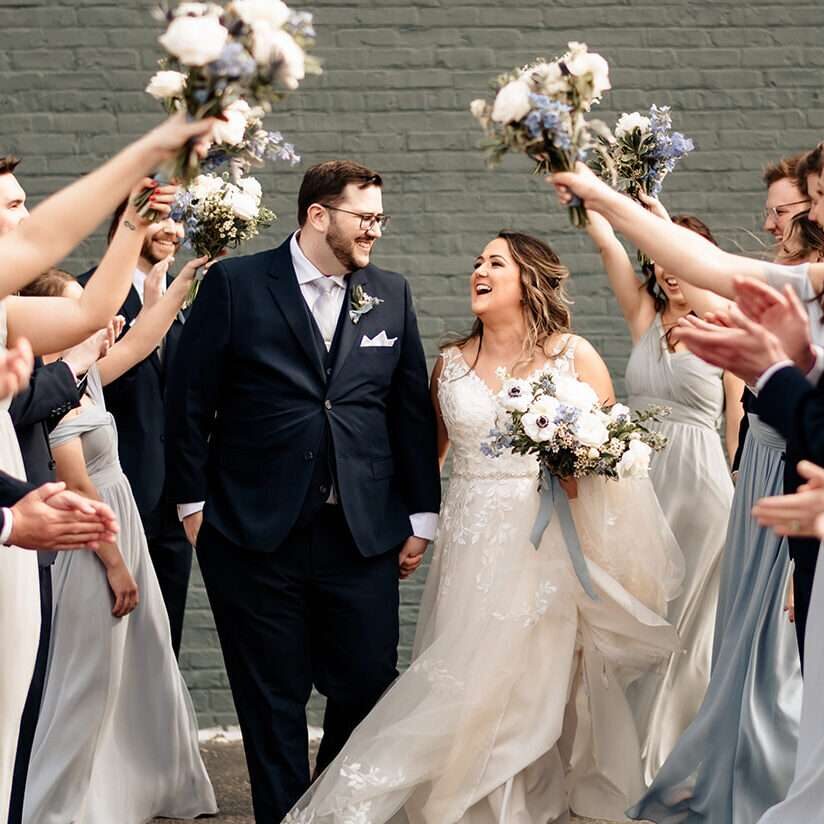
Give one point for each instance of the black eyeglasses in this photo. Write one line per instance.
(367, 222)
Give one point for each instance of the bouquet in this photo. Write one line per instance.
(540, 110)
(218, 213)
(249, 50)
(242, 142)
(558, 418)
(643, 152)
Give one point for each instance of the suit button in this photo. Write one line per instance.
(328, 372)
(324, 490)
(307, 456)
(327, 404)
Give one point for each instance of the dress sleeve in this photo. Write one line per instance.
(798, 277)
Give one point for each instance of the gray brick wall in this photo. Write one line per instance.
(743, 78)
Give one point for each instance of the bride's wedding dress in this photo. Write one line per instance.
(513, 710)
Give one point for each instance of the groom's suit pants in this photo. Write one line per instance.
(312, 612)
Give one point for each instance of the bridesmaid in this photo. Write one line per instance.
(117, 735)
(736, 759)
(691, 475)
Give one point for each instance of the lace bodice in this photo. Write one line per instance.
(469, 409)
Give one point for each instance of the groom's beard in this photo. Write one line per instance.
(345, 250)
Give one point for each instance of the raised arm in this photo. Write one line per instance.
(733, 413)
(70, 320)
(684, 253)
(62, 221)
(150, 326)
(637, 305)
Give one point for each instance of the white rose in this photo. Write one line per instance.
(634, 462)
(512, 103)
(515, 395)
(230, 131)
(243, 205)
(166, 84)
(619, 412)
(195, 41)
(590, 430)
(273, 12)
(191, 9)
(546, 78)
(627, 122)
(478, 108)
(572, 392)
(275, 46)
(204, 185)
(581, 62)
(250, 186)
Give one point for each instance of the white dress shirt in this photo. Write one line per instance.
(813, 376)
(423, 524)
(7, 525)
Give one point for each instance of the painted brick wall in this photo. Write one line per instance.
(743, 78)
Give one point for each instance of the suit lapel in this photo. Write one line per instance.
(285, 289)
(350, 332)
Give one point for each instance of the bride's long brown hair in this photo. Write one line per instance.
(545, 303)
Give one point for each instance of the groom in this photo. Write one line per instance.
(299, 412)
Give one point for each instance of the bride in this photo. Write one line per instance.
(513, 710)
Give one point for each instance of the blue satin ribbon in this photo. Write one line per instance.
(554, 498)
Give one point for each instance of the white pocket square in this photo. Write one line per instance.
(379, 340)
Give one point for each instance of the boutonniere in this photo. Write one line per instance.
(360, 303)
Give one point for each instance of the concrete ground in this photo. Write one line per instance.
(227, 767)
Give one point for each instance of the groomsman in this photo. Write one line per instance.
(137, 401)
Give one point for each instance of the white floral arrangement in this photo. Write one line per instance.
(218, 213)
(540, 110)
(558, 418)
(219, 55)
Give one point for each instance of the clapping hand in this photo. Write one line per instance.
(781, 313)
(733, 342)
(16, 365)
(800, 514)
(82, 357)
(52, 517)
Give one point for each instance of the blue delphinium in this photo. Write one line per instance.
(670, 148)
(235, 62)
(547, 116)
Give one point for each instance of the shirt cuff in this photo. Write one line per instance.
(767, 374)
(8, 525)
(424, 525)
(814, 375)
(185, 510)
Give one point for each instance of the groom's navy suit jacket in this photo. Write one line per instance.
(254, 404)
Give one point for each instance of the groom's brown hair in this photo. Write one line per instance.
(325, 182)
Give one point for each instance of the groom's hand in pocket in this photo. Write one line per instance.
(191, 526)
(411, 556)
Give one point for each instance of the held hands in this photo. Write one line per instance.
(50, 517)
(191, 526)
(800, 514)
(411, 555)
(655, 206)
(16, 365)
